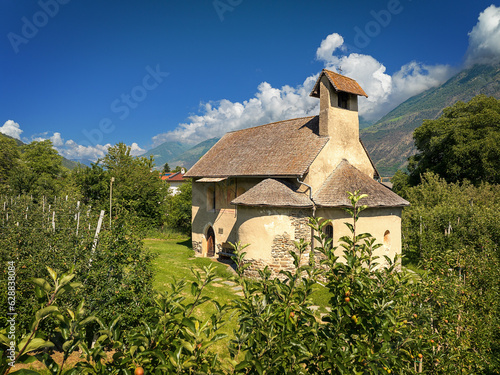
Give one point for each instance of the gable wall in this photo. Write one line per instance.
(330, 157)
(223, 218)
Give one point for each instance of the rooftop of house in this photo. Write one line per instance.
(280, 149)
(333, 193)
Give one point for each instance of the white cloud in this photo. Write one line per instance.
(273, 104)
(329, 45)
(384, 91)
(269, 104)
(484, 39)
(56, 139)
(135, 150)
(12, 129)
(74, 151)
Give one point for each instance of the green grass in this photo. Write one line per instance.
(175, 260)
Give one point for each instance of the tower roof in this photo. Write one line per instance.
(340, 83)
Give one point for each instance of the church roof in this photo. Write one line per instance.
(333, 192)
(340, 83)
(274, 193)
(279, 149)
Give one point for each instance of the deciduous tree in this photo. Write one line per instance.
(464, 143)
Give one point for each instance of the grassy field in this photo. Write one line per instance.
(175, 259)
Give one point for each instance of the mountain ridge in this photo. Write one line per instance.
(390, 140)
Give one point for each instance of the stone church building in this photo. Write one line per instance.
(260, 185)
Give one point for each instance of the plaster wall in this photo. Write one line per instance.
(221, 215)
(384, 224)
(259, 227)
(342, 127)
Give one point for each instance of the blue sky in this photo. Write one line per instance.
(88, 74)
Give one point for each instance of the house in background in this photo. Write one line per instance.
(175, 180)
(260, 185)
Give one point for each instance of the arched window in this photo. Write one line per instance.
(387, 239)
(210, 242)
(328, 229)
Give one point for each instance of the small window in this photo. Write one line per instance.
(387, 239)
(343, 100)
(329, 231)
(210, 199)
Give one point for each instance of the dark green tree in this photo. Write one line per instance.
(9, 160)
(40, 171)
(166, 168)
(464, 143)
(94, 184)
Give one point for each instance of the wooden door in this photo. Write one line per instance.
(210, 242)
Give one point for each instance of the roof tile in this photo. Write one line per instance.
(280, 149)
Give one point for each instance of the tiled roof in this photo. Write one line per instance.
(176, 177)
(280, 149)
(340, 83)
(274, 193)
(333, 193)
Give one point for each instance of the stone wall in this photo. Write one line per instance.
(197, 247)
(281, 247)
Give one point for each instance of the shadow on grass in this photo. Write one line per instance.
(187, 243)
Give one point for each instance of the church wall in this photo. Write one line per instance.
(384, 224)
(211, 208)
(270, 234)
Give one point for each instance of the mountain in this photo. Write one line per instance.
(179, 154)
(191, 156)
(166, 152)
(390, 140)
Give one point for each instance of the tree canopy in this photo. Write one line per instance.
(9, 158)
(464, 143)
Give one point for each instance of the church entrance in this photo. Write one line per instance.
(210, 242)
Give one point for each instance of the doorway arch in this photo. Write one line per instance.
(210, 242)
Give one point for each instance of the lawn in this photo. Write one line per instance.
(174, 261)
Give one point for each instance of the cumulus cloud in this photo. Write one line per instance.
(484, 39)
(135, 150)
(269, 104)
(385, 91)
(12, 129)
(329, 45)
(74, 151)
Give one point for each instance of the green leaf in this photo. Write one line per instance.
(42, 313)
(66, 279)
(42, 283)
(52, 273)
(34, 344)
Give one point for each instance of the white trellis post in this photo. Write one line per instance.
(77, 217)
(96, 236)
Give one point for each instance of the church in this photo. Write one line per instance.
(260, 185)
